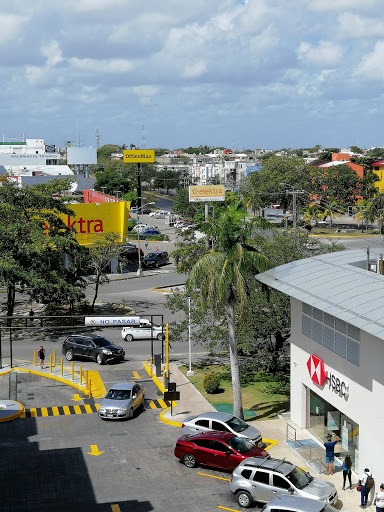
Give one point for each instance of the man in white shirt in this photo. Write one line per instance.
(364, 489)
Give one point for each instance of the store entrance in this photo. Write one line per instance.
(324, 418)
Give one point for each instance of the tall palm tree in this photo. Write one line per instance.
(332, 210)
(312, 214)
(223, 277)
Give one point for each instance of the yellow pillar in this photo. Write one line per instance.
(81, 377)
(86, 379)
(62, 369)
(90, 389)
(34, 356)
(54, 358)
(50, 363)
(72, 370)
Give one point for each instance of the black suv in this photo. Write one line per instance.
(155, 259)
(92, 346)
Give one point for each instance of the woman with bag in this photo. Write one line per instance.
(41, 356)
(379, 499)
(347, 465)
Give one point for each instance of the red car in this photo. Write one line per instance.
(218, 449)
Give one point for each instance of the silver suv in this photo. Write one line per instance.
(260, 479)
(296, 504)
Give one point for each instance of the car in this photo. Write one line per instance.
(223, 422)
(153, 213)
(146, 211)
(181, 224)
(91, 346)
(150, 232)
(139, 228)
(218, 449)
(156, 259)
(160, 214)
(288, 503)
(258, 480)
(130, 251)
(145, 331)
(133, 209)
(121, 401)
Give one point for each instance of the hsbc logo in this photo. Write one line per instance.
(316, 370)
(320, 376)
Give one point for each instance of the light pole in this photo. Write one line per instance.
(140, 270)
(190, 372)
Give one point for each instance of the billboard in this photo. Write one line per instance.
(78, 156)
(132, 156)
(200, 193)
(91, 220)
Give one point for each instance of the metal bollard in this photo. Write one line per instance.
(81, 377)
(90, 389)
(72, 370)
(34, 356)
(62, 369)
(50, 363)
(86, 379)
(54, 358)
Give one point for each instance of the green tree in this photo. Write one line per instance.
(312, 214)
(38, 252)
(341, 183)
(326, 154)
(100, 255)
(222, 280)
(332, 210)
(167, 179)
(369, 188)
(356, 149)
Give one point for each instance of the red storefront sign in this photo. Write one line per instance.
(316, 370)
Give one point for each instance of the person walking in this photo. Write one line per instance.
(379, 499)
(330, 451)
(41, 356)
(347, 466)
(366, 483)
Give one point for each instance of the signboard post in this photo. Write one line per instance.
(170, 396)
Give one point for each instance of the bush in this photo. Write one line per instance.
(211, 383)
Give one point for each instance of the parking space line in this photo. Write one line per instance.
(226, 508)
(214, 476)
(55, 411)
(152, 405)
(77, 409)
(88, 409)
(115, 507)
(33, 413)
(66, 410)
(44, 411)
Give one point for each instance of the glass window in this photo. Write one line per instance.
(341, 345)
(279, 481)
(246, 473)
(203, 423)
(202, 443)
(353, 352)
(88, 343)
(307, 326)
(317, 332)
(237, 424)
(216, 425)
(328, 338)
(219, 447)
(261, 477)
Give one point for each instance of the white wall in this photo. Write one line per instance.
(366, 388)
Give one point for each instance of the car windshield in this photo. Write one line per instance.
(240, 445)
(151, 255)
(298, 478)
(101, 342)
(237, 424)
(118, 394)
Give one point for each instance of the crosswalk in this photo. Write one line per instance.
(67, 410)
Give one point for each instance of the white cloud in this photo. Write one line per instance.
(11, 26)
(52, 53)
(325, 55)
(371, 65)
(354, 26)
(102, 65)
(342, 5)
(145, 93)
(195, 69)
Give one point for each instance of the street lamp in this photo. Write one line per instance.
(140, 270)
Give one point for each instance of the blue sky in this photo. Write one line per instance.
(244, 74)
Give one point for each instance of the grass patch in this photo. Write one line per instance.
(261, 397)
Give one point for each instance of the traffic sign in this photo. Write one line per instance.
(111, 321)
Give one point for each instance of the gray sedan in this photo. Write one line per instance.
(222, 422)
(121, 401)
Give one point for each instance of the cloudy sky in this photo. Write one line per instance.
(233, 73)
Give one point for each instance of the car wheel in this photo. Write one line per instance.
(189, 460)
(99, 359)
(130, 414)
(244, 499)
(128, 337)
(69, 355)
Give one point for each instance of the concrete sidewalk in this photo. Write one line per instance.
(273, 431)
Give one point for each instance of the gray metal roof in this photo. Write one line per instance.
(337, 283)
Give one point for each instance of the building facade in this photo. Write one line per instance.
(337, 349)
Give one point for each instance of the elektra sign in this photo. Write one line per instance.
(320, 376)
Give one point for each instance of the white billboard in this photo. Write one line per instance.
(111, 321)
(78, 156)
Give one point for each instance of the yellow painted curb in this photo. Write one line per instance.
(169, 422)
(16, 415)
(8, 371)
(98, 389)
(270, 443)
(53, 377)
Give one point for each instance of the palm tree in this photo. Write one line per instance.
(331, 210)
(312, 214)
(362, 214)
(369, 187)
(223, 277)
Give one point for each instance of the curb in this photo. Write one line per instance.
(17, 414)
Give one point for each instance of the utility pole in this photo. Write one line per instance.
(294, 193)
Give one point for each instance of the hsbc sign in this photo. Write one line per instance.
(319, 375)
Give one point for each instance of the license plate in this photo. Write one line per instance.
(109, 415)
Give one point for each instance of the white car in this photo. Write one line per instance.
(144, 331)
(139, 228)
(160, 214)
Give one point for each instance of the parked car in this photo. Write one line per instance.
(288, 503)
(122, 400)
(130, 251)
(181, 224)
(222, 422)
(139, 228)
(150, 232)
(156, 259)
(91, 346)
(145, 331)
(258, 479)
(153, 213)
(146, 211)
(218, 449)
(160, 214)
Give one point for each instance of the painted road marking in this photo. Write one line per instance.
(136, 375)
(67, 410)
(214, 476)
(94, 450)
(115, 508)
(226, 508)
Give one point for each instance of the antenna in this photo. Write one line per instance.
(97, 139)
(143, 139)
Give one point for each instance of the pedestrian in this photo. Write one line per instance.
(379, 499)
(41, 356)
(330, 451)
(366, 483)
(146, 244)
(157, 248)
(347, 465)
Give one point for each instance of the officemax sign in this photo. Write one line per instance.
(320, 376)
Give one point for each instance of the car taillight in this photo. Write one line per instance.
(231, 477)
(182, 425)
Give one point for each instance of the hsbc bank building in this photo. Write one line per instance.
(337, 349)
